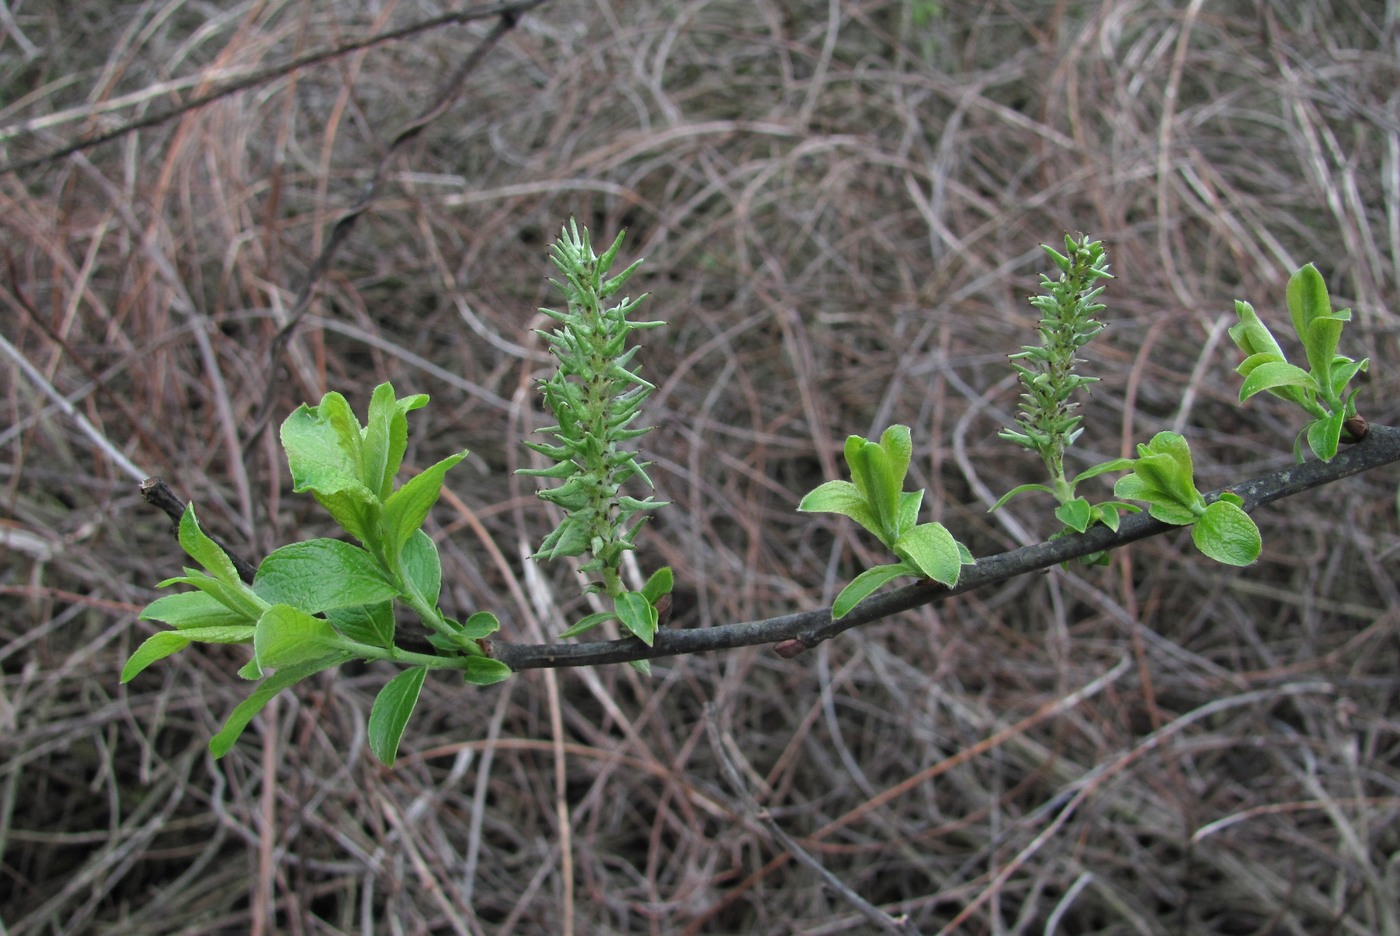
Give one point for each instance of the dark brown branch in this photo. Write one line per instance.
(793, 633)
(158, 494)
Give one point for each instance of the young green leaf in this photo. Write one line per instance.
(323, 448)
(194, 609)
(932, 552)
(660, 583)
(205, 551)
(390, 713)
(480, 625)
(371, 624)
(1020, 489)
(158, 646)
(1076, 514)
(638, 615)
(1274, 376)
(1225, 533)
(866, 583)
(386, 438)
(238, 598)
(1307, 299)
(484, 671)
(1325, 435)
(1252, 336)
(407, 508)
(883, 490)
(239, 718)
(587, 623)
(422, 567)
(287, 636)
(321, 574)
(841, 497)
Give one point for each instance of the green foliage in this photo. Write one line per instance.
(315, 604)
(1163, 476)
(876, 499)
(1321, 390)
(595, 395)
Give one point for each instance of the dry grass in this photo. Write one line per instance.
(839, 204)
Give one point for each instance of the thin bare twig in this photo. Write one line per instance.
(262, 76)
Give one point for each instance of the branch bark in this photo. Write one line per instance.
(793, 633)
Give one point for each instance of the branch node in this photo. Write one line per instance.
(787, 649)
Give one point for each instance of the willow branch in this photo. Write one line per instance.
(793, 633)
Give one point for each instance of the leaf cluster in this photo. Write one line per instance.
(1322, 389)
(1163, 476)
(875, 498)
(318, 603)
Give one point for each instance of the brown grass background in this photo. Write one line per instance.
(839, 204)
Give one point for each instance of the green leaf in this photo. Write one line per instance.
(899, 448)
(323, 448)
(864, 584)
(484, 671)
(909, 502)
(193, 609)
(205, 551)
(288, 636)
(1076, 514)
(422, 567)
(158, 646)
(1116, 464)
(933, 551)
(321, 574)
(1320, 343)
(659, 584)
(219, 634)
(371, 624)
(391, 711)
(1161, 505)
(588, 623)
(407, 508)
(238, 598)
(844, 498)
(1225, 533)
(1252, 335)
(386, 437)
(238, 720)
(1343, 370)
(854, 446)
(1165, 475)
(883, 491)
(1020, 489)
(1275, 376)
(1324, 435)
(480, 625)
(1307, 299)
(637, 615)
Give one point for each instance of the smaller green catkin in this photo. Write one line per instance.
(595, 394)
(1048, 423)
